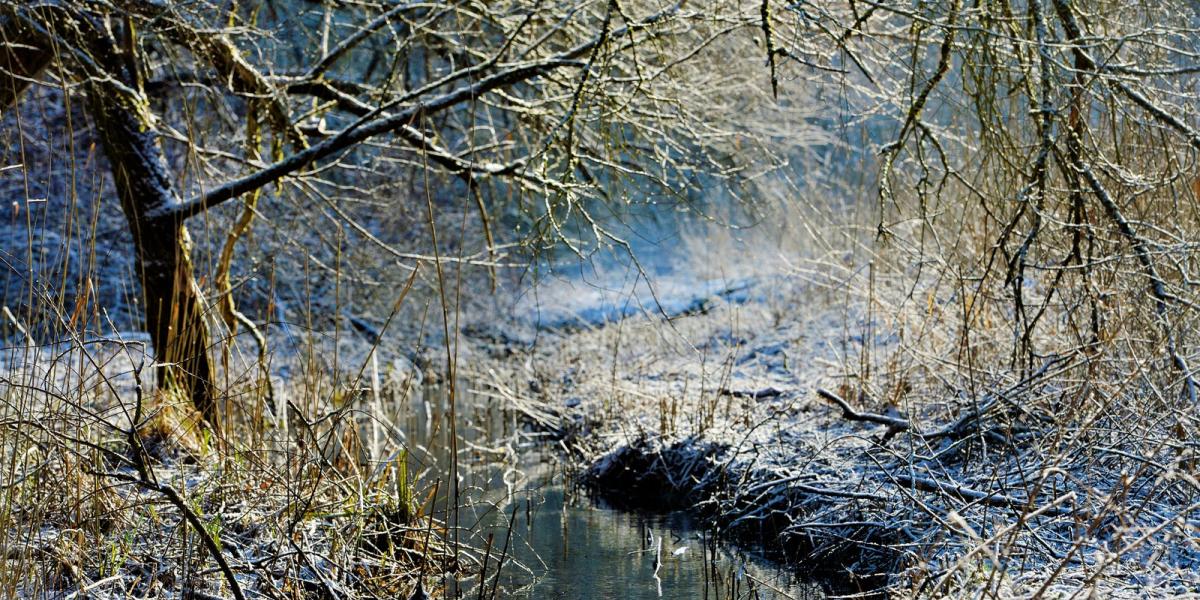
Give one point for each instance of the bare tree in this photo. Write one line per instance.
(555, 103)
(1038, 148)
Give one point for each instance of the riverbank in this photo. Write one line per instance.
(796, 416)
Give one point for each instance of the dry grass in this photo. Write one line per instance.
(89, 506)
(1073, 475)
(1005, 313)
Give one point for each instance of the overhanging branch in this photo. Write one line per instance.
(379, 122)
(360, 131)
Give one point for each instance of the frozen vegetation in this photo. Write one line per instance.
(313, 299)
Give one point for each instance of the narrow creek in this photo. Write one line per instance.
(562, 542)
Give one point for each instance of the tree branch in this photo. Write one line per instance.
(894, 424)
(364, 129)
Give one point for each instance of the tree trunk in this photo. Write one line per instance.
(173, 304)
(174, 307)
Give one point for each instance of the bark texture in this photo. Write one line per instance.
(174, 305)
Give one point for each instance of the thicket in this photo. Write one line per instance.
(1017, 181)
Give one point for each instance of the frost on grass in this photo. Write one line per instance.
(922, 476)
(113, 491)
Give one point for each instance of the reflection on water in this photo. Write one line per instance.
(577, 549)
(557, 542)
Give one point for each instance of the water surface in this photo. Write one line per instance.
(556, 540)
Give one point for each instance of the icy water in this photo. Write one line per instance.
(552, 540)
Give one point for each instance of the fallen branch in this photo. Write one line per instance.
(894, 424)
(793, 482)
(955, 489)
(972, 417)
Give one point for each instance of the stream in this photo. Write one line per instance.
(562, 542)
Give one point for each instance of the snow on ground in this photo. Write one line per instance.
(704, 395)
